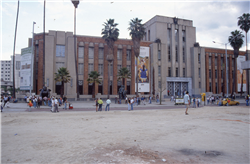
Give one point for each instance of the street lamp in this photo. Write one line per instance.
(109, 59)
(32, 57)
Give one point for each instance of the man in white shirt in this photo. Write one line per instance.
(132, 102)
(108, 103)
(53, 104)
(186, 102)
(56, 105)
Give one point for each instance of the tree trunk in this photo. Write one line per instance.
(136, 78)
(236, 52)
(62, 89)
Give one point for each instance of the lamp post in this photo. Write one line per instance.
(109, 59)
(32, 57)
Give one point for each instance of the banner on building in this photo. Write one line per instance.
(240, 71)
(25, 72)
(143, 70)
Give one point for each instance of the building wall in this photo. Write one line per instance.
(217, 65)
(60, 38)
(17, 70)
(6, 69)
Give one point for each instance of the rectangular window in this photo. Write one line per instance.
(176, 72)
(159, 70)
(159, 55)
(59, 65)
(118, 68)
(159, 84)
(215, 61)
(216, 74)
(222, 62)
(100, 69)
(169, 54)
(210, 75)
(60, 50)
(128, 55)
(129, 67)
(199, 84)
(81, 52)
(209, 59)
(210, 87)
(176, 53)
(176, 36)
(91, 53)
(119, 54)
(199, 58)
(91, 67)
(101, 53)
(169, 71)
(184, 72)
(80, 68)
(183, 36)
(199, 73)
(183, 54)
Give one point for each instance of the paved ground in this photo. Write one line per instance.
(89, 106)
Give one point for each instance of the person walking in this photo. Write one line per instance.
(150, 99)
(52, 104)
(100, 102)
(108, 104)
(56, 105)
(187, 102)
(157, 98)
(131, 103)
(96, 104)
(194, 105)
(34, 102)
(5, 98)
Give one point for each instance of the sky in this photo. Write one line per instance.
(214, 20)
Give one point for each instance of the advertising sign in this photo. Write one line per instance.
(143, 70)
(25, 72)
(240, 71)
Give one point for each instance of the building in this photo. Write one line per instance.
(91, 56)
(174, 67)
(6, 70)
(17, 70)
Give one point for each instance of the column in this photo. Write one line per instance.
(124, 63)
(219, 73)
(114, 85)
(96, 62)
(133, 83)
(105, 71)
(86, 68)
(213, 73)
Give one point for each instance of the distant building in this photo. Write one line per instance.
(17, 70)
(6, 70)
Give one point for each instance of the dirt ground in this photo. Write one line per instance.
(206, 135)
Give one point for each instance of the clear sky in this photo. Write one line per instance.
(214, 20)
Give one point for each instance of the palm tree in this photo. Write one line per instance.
(62, 76)
(123, 74)
(137, 32)
(94, 78)
(75, 3)
(14, 94)
(236, 42)
(244, 23)
(110, 34)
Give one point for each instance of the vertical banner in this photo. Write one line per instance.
(143, 70)
(240, 71)
(25, 72)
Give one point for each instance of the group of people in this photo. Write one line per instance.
(99, 103)
(5, 102)
(52, 102)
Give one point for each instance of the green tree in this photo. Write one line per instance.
(236, 42)
(244, 23)
(123, 74)
(94, 78)
(110, 34)
(62, 75)
(137, 32)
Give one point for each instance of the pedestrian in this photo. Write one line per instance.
(45, 100)
(115, 99)
(144, 100)
(56, 105)
(197, 102)
(65, 102)
(108, 105)
(1, 105)
(150, 99)
(207, 100)
(126, 100)
(247, 100)
(96, 104)
(34, 101)
(52, 104)
(157, 98)
(30, 105)
(100, 102)
(194, 106)
(187, 102)
(131, 103)
(5, 98)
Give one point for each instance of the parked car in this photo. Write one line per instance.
(229, 101)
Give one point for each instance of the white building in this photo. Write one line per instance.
(6, 70)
